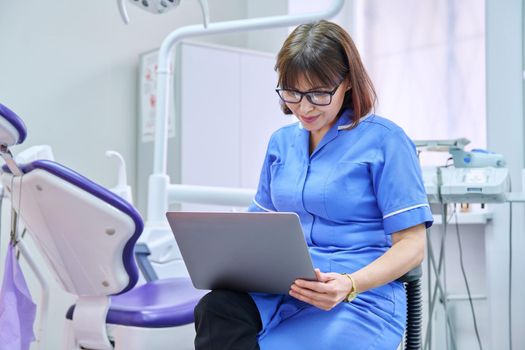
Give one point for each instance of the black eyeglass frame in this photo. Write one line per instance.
(308, 95)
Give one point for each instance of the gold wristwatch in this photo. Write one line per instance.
(353, 292)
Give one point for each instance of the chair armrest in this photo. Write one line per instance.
(141, 255)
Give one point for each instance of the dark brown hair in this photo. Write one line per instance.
(324, 54)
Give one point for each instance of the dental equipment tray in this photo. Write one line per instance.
(249, 252)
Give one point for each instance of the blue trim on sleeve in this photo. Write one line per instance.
(406, 219)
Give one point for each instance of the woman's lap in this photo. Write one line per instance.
(355, 326)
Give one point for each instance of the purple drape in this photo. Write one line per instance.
(17, 310)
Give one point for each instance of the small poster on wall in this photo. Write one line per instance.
(148, 97)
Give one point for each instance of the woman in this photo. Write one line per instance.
(354, 180)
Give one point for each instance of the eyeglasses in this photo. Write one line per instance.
(318, 98)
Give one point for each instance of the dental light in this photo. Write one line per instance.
(159, 7)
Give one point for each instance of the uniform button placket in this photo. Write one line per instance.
(308, 216)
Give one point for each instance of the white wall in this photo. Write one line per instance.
(69, 68)
(344, 18)
(271, 40)
(268, 40)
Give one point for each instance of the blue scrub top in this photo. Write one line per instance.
(357, 188)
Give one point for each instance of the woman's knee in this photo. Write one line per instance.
(216, 301)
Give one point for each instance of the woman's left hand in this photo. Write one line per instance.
(329, 290)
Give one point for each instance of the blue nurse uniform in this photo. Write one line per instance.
(356, 188)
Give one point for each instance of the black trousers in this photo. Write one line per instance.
(227, 320)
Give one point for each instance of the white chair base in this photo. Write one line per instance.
(134, 338)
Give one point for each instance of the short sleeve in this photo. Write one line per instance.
(398, 184)
(263, 201)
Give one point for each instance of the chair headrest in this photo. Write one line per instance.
(12, 128)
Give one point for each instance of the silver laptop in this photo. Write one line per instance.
(250, 252)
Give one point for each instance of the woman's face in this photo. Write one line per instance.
(318, 119)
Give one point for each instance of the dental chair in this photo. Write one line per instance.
(87, 236)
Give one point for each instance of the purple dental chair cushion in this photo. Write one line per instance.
(156, 304)
(15, 121)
